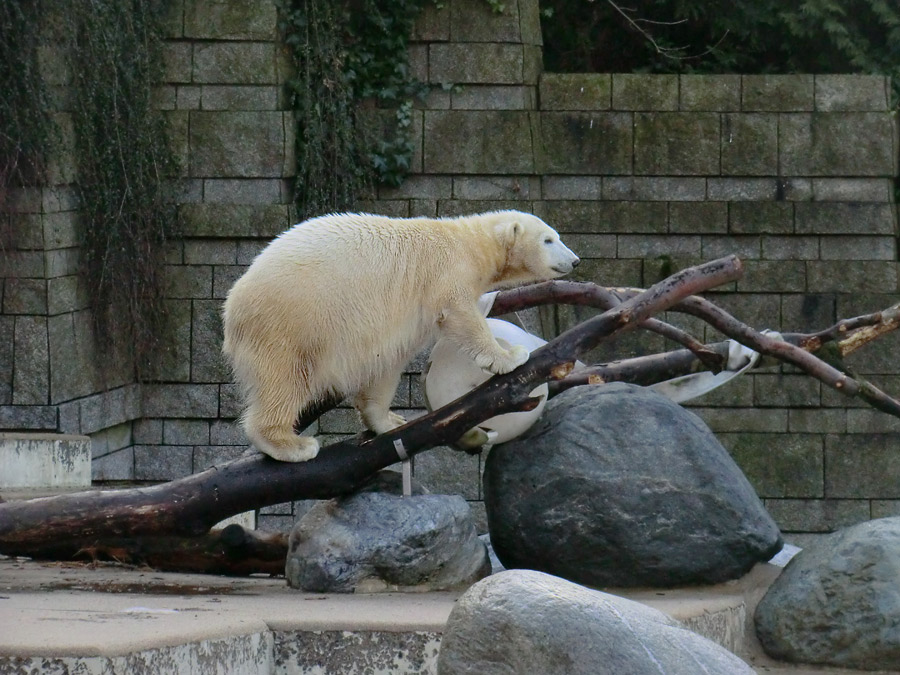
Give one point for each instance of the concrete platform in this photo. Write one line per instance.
(65, 617)
(44, 461)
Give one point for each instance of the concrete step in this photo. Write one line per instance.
(44, 462)
(64, 617)
(114, 619)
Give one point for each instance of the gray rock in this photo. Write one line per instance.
(838, 601)
(618, 486)
(378, 540)
(525, 622)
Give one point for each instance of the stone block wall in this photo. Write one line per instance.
(51, 377)
(642, 174)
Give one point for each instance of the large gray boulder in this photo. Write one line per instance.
(619, 486)
(378, 540)
(838, 601)
(521, 622)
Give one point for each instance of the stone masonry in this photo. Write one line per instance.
(642, 174)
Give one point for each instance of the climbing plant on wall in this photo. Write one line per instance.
(26, 128)
(123, 160)
(352, 95)
(103, 55)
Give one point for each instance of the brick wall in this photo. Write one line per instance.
(641, 173)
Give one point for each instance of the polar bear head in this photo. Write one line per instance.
(534, 249)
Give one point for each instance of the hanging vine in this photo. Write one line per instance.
(120, 155)
(122, 160)
(26, 129)
(352, 95)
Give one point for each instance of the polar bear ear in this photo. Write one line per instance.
(509, 231)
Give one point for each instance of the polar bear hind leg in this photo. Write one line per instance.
(269, 421)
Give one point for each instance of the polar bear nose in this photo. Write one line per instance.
(576, 262)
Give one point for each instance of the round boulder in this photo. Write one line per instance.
(838, 601)
(619, 486)
(522, 621)
(378, 540)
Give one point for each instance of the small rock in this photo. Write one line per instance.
(619, 486)
(378, 540)
(526, 622)
(838, 601)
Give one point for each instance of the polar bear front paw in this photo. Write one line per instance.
(302, 449)
(510, 360)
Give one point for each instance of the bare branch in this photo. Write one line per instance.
(882, 322)
(591, 295)
(790, 353)
(668, 52)
(848, 334)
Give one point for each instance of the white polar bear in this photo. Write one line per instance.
(340, 304)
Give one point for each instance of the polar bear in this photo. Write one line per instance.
(339, 304)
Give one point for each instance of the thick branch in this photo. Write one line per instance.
(190, 506)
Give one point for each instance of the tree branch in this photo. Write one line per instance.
(795, 349)
(591, 295)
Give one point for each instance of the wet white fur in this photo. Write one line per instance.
(341, 303)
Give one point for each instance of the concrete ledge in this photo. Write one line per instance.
(246, 654)
(36, 461)
(73, 618)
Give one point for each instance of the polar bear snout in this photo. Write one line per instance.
(563, 260)
(572, 264)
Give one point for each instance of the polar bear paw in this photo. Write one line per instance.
(510, 360)
(299, 449)
(396, 420)
(382, 423)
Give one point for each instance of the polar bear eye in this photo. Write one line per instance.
(548, 240)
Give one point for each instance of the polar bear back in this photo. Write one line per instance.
(338, 287)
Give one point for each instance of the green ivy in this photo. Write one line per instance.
(352, 95)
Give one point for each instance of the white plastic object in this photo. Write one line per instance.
(451, 373)
(686, 387)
